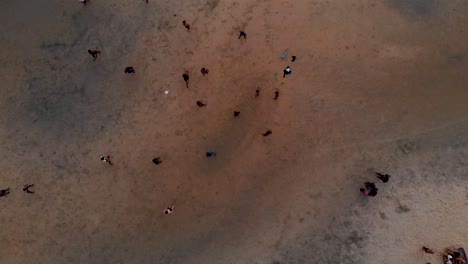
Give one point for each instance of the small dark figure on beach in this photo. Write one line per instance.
(383, 177)
(129, 69)
(286, 71)
(257, 92)
(94, 53)
(293, 58)
(242, 34)
(276, 95)
(186, 25)
(146, 1)
(26, 188)
(372, 192)
(4, 192)
(427, 250)
(169, 210)
(236, 113)
(157, 161)
(365, 192)
(106, 159)
(210, 154)
(204, 71)
(200, 104)
(186, 78)
(267, 133)
(84, 2)
(370, 185)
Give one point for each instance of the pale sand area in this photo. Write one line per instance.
(377, 86)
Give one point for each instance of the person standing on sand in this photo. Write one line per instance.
(94, 53)
(373, 192)
(448, 259)
(242, 34)
(427, 250)
(210, 154)
(365, 192)
(286, 71)
(129, 69)
(186, 78)
(370, 190)
(276, 95)
(26, 188)
(5, 192)
(236, 113)
(106, 159)
(157, 161)
(200, 104)
(257, 92)
(267, 133)
(204, 71)
(169, 210)
(370, 185)
(186, 25)
(383, 177)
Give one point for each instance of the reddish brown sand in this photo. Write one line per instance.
(377, 86)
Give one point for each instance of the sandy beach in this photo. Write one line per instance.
(377, 86)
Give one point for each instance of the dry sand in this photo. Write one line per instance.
(377, 86)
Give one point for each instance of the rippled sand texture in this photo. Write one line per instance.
(377, 86)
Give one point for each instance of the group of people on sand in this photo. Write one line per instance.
(186, 77)
(450, 255)
(370, 187)
(5, 192)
